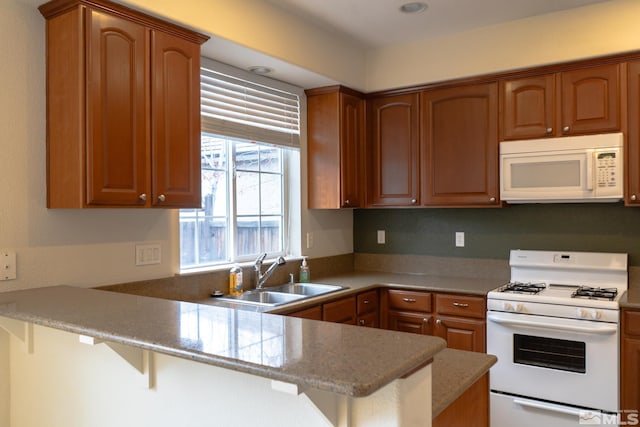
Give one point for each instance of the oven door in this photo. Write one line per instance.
(566, 361)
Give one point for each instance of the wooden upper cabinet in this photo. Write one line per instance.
(393, 151)
(460, 146)
(582, 101)
(632, 161)
(175, 124)
(123, 108)
(335, 148)
(528, 107)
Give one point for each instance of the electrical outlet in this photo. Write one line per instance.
(148, 254)
(381, 237)
(459, 239)
(309, 240)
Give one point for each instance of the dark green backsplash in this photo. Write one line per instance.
(491, 233)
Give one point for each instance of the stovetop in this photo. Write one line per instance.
(572, 279)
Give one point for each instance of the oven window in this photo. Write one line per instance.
(549, 353)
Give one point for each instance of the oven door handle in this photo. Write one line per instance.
(547, 406)
(595, 328)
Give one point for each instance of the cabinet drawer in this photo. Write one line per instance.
(367, 302)
(461, 305)
(631, 322)
(313, 313)
(369, 319)
(409, 300)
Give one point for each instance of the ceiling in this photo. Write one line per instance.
(378, 23)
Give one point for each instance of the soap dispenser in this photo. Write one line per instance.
(305, 273)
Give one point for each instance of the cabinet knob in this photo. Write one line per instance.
(143, 197)
(414, 201)
(633, 197)
(438, 322)
(162, 198)
(426, 320)
(492, 200)
(361, 322)
(549, 131)
(565, 129)
(347, 202)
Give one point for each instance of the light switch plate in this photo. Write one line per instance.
(7, 265)
(381, 237)
(148, 254)
(459, 239)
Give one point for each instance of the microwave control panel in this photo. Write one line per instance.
(607, 169)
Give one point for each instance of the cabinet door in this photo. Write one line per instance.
(175, 123)
(393, 171)
(590, 100)
(370, 320)
(341, 311)
(406, 321)
(351, 150)
(117, 168)
(527, 107)
(460, 156)
(461, 333)
(633, 136)
(630, 360)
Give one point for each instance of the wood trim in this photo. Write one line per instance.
(333, 89)
(57, 7)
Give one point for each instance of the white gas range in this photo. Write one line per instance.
(555, 331)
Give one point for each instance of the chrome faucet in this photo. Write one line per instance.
(262, 278)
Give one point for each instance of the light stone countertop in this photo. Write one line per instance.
(321, 355)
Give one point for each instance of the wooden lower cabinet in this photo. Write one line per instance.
(630, 361)
(460, 320)
(414, 322)
(470, 409)
(340, 311)
(313, 313)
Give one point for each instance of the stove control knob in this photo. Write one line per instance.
(597, 314)
(583, 313)
(508, 306)
(520, 308)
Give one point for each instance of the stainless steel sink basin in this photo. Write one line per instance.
(283, 294)
(308, 289)
(263, 298)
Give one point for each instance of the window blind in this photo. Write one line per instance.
(243, 109)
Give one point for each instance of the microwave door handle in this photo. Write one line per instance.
(591, 155)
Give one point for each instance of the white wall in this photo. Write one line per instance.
(596, 30)
(83, 248)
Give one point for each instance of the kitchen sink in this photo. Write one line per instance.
(307, 289)
(283, 294)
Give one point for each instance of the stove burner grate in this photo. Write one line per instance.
(595, 293)
(523, 288)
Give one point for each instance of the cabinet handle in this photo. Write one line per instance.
(492, 200)
(366, 301)
(143, 197)
(426, 320)
(438, 322)
(409, 299)
(461, 304)
(414, 201)
(549, 131)
(565, 129)
(162, 198)
(633, 197)
(361, 322)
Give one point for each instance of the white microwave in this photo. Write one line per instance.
(569, 169)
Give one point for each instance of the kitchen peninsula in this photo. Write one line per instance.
(209, 363)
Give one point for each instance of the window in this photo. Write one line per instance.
(250, 137)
